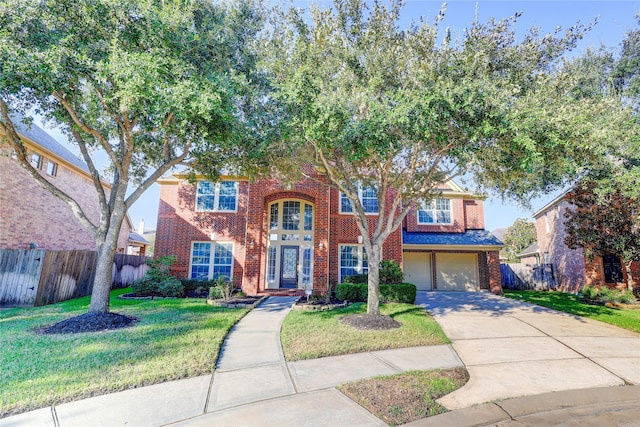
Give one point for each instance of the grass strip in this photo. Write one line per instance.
(174, 338)
(626, 318)
(313, 334)
(402, 398)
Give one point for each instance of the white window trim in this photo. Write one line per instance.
(434, 213)
(360, 252)
(353, 211)
(216, 198)
(211, 256)
(54, 168)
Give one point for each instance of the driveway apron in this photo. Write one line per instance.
(512, 348)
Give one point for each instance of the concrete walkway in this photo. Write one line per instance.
(510, 349)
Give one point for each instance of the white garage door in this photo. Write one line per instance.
(457, 272)
(417, 269)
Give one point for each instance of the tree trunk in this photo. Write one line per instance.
(630, 281)
(104, 266)
(373, 299)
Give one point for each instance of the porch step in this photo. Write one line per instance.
(282, 292)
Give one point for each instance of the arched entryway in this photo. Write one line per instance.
(289, 260)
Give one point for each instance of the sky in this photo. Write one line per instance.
(615, 19)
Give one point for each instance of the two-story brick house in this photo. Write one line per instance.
(572, 269)
(268, 236)
(31, 216)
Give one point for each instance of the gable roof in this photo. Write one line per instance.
(532, 249)
(468, 238)
(46, 142)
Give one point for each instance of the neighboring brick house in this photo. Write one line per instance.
(572, 269)
(268, 236)
(31, 215)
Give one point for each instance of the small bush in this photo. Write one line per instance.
(401, 292)
(589, 292)
(357, 279)
(193, 284)
(354, 292)
(157, 282)
(607, 295)
(358, 292)
(222, 288)
(390, 272)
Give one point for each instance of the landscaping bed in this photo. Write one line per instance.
(245, 301)
(312, 303)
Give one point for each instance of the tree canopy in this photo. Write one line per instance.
(151, 84)
(401, 110)
(517, 238)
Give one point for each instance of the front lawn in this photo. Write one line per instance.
(312, 334)
(175, 338)
(569, 303)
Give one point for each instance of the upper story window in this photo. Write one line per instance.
(437, 211)
(217, 197)
(368, 197)
(36, 160)
(52, 168)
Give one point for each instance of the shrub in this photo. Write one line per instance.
(390, 272)
(355, 292)
(222, 288)
(401, 292)
(589, 292)
(357, 278)
(194, 284)
(352, 291)
(157, 282)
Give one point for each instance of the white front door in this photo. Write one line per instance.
(417, 269)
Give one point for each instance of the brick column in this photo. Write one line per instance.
(495, 278)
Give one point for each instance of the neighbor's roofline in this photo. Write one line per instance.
(557, 200)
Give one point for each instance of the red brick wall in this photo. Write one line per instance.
(474, 214)
(568, 263)
(458, 217)
(29, 213)
(594, 272)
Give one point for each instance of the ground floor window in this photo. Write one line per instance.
(210, 260)
(353, 260)
(612, 269)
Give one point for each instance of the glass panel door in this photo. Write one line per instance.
(289, 267)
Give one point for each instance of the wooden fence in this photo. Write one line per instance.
(527, 276)
(38, 277)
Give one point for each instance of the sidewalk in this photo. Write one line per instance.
(510, 349)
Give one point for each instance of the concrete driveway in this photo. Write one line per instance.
(513, 348)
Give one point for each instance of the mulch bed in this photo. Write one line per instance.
(89, 322)
(370, 322)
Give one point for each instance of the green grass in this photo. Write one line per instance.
(569, 303)
(312, 334)
(175, 338)
(409, 396)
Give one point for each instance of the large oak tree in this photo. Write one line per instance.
(402, 109)
(150, 84)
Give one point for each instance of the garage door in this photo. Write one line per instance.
(417, 269)
(457, 272)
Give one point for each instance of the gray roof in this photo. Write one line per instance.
(135, 237)
(530, 250)
(468, 238)
(36, 134)
(499, 233)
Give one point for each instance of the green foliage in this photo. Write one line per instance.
(357, 278)
(517, 238)
(194, 285)
(608, 295)
(352, 291)
(157, 281)
(603, 224)
(390, 272)
(222, 289)
(358, 292)
(401, 292)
